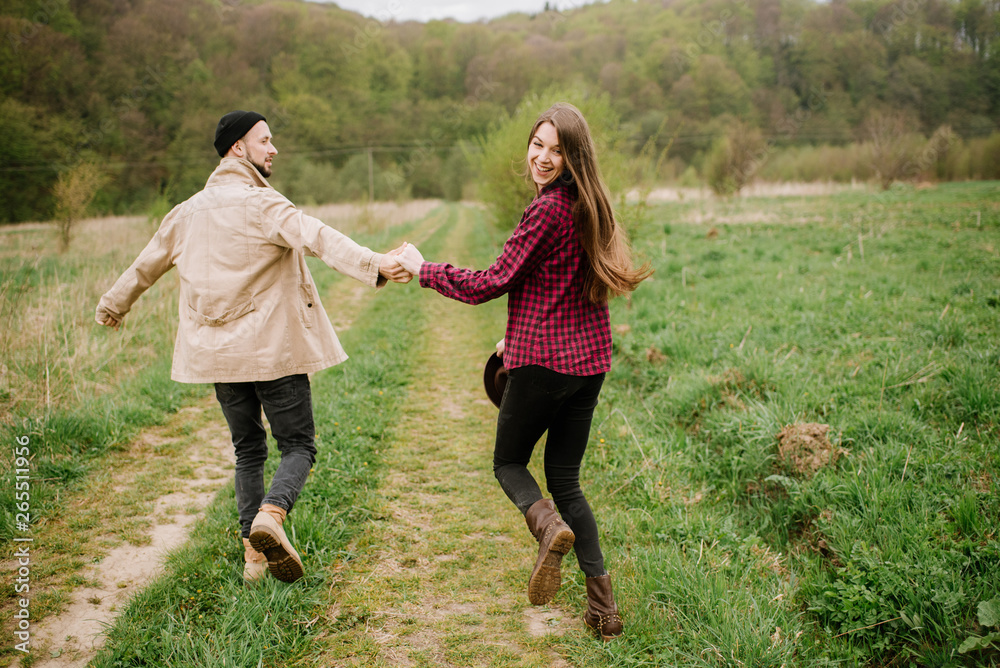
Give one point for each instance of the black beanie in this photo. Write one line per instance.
(232, 127)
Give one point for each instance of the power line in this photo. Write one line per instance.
(779, 138)
(53, 165)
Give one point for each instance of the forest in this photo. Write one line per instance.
(374, 107)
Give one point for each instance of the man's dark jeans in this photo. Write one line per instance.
(287, 403)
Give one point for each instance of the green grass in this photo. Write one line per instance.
(76, 390)
(875, 315)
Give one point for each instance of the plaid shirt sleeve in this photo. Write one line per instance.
(528, 246)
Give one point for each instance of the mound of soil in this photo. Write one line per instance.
(803, 448)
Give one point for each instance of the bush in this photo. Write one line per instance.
(74, 191)
(735, 159)
(985, 158)
(895, 152)
(817, 163)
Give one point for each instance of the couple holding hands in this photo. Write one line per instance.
(251, 324)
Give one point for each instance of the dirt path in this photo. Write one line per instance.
(74, 636)
(443, 572)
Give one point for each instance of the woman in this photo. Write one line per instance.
(563, 262)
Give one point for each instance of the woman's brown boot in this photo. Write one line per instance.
(602, 613)
(555, 539)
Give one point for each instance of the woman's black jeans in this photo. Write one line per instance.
(537, 400)
(287, 402)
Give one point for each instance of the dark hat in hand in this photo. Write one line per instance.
(495, 379)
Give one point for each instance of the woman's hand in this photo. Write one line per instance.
(500, 348)
(411, 259)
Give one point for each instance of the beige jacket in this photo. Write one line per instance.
(249, 310)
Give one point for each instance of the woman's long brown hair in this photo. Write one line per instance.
(611, 273)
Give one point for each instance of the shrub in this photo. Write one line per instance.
(735, 159)
(74, 191)
(892, 149)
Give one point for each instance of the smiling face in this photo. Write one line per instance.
(545, 159)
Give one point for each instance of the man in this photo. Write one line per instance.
(251, 321)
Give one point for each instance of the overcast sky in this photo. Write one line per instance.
(426, 10)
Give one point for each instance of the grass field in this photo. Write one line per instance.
(794, 463)
(874, 315)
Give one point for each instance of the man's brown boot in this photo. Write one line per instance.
(267, 536)
(254, 563)
(555, 539)
(602, 612)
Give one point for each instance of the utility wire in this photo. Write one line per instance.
(52, 165)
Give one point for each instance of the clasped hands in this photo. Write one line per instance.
(401, 264)
(405, 262)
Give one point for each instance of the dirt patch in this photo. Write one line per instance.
(346, 303)
(655, 356)
(981, 482)
(711, 217)
(452, 409)
(768, 561)
(804, 448)
(545, 621)
(810, 536)
(74, 636)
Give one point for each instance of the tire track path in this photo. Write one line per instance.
(441, 575)
(74, 636)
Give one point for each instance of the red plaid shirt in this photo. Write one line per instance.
(550, 322)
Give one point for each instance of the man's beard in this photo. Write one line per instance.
(264, 170)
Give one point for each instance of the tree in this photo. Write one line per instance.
(891, 153)
(73, 192)
(735, 159)
(31, 140)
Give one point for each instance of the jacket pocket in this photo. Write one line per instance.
(307, 303)
(227, 316)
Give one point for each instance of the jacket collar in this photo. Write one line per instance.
(236, 171)
(558, 184)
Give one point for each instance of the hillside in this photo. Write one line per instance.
(138, 85)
